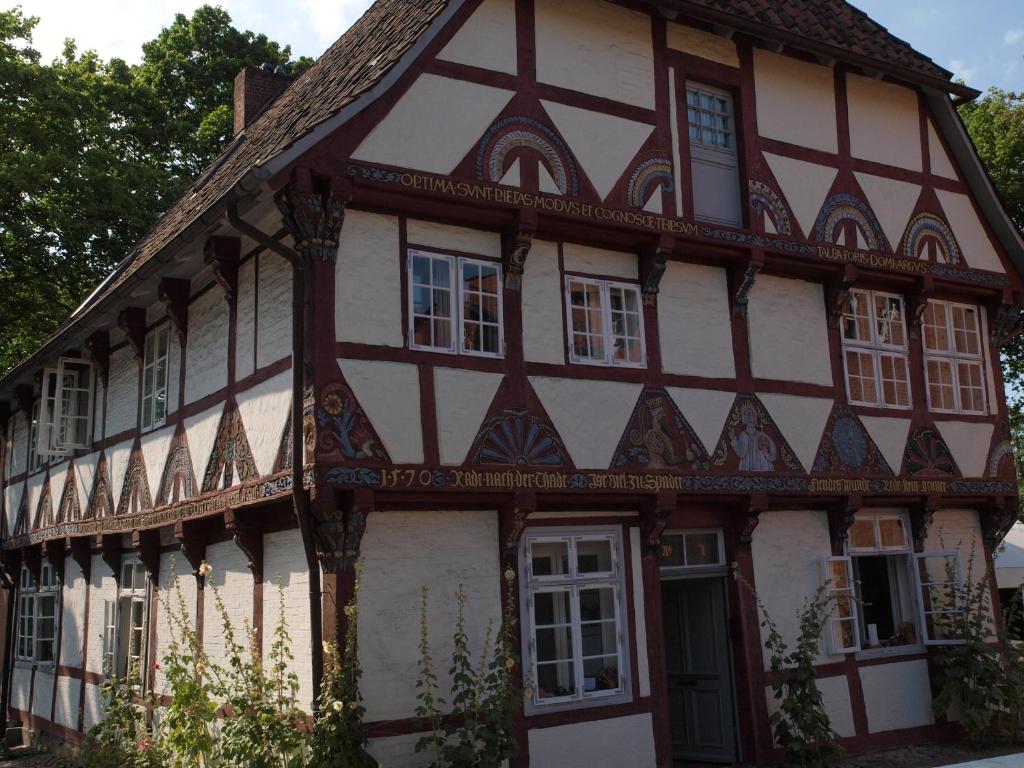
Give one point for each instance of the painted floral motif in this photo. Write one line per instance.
(751, 442)
(847, 448)
(928, 227)
(231, 454)
(659, 437)
(927, 454)
(179, 479)
(344, 427)
(764, 201)
(646, 178)
(135, 496)
(512, 133)
(517, 438)
(843, 208)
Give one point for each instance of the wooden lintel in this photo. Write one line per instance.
(248, 538)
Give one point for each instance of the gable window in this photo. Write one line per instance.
(714, 161)
(124, 623)
(455, 304)
(573, 596)
(37, 615)
(605, 322)
(874, 333)
(953, 358)
(154, 378)
(65, 415)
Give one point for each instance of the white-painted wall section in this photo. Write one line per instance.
(543, 317)
(692, 297)
(206, 356)
(368, 281)
(273, 310)
(789, 331)
(611, 743)
(122, 392)
(284, 558)
(796, 101)
(234, 583)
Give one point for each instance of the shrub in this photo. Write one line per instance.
(121, 739)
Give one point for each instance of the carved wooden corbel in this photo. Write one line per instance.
(192, 543)
(918, 301)
(249, 539)
(339, 524)
(921, 517)
(313, 210)
(32, 558)
(1007, 319)
(838, 291)
(81, 553)
(98, 345)
(55, 551)
(25, 397)
(997, 521)
(109, 545)
(515, 247)
(224, 254)
(654, 520)
(132, 320)
(840, 520)
(744, 277)
(755, 507)
(652, 267)
(147, 544)
(174, 294)
(513, 519)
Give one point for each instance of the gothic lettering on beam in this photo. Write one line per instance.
(224, 254)
(653, 263)
(132, 321)
(744, 277)
(313, 210)
(174, 295)
(98, 345)
(515, 247)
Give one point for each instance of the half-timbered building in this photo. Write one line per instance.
(623, 296)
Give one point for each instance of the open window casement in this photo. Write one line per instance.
(940, 585)
(843, 626)
(65, 413)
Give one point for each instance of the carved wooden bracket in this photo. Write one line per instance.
(921, 516)
(652, 267)
(838, 292)
(193, 544)
(515, 247)
(109, 545)
(81, 553)
(840, 519)
(339, 528)
(1007, 319)
(997, 521)
(248, 538)
(313, 210)
(147, 544)
(32, 558)
(918, 300)
(174, 294)
(654, 519)
(132, 321)
(756, 506)
(98, 345)
(744, 277)
(513, 519)
(224, 254)
(24, 396)
(55, 551)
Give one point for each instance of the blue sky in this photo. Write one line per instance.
(982, 41)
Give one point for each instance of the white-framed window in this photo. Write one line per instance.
(154, 378)
(940, 584)
(605, 321)
(38, 604)
(874, 331)
(65, 415)
(695, 548)
(953, 357)
(714, 160)
(455, 304)
(35, 460)
(843, 630)
(573, 596)
(125, 621)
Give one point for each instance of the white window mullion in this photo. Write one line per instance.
(577, 641)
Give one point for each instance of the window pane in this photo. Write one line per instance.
(844, 633)
(140, 576)
(555, 680)
(895, 375)
(862, 534)
(421, 270)
(673, 551)
(549, 558)
(936, 333)
(702, 549)
(965, 331)
(554, 644)
(940, 383)
(889, 325)
(860, 376)
(601, 674)
(126, 576)
(593, 556)
(550, 608)
(597, 604)
(856, 318)
(892, 533)
(972, 390)
(441, 273)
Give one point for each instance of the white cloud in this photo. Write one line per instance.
(961, 70)
(1013, 36)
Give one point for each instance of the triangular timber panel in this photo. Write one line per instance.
(69, 508)
(846, 447)
(135, 496)
(21, 522)
(179, 478)
(658, 436)
(101, 500)
(231, 458)
(518, 433)
(343, 430)
(927, 455)
(751, 441)
(44, 510)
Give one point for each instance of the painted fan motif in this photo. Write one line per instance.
(517, 438)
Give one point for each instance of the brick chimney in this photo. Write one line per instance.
(255, 88)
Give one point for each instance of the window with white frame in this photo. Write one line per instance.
(154, 378)
(35, 460)
(713, 154)
(605, 322)
(65, 415)
(874, 331)
(124, 623)
(953, 357)
(38, 604)
(455, 304)
(573, 595)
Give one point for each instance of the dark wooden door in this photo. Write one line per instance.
(701, 703)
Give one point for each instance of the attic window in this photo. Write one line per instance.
(65, 414)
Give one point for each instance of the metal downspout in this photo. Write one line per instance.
(300, 497)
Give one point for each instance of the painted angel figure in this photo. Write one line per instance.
(756, 449)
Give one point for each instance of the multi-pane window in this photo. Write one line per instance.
(26, 616)
(874, 329)
(37, 615)
(65, 415)
(605, 322)
(713, 154)
(455, 304)
(154, 378)
(573, 596)
(953, 357)
(124, 623)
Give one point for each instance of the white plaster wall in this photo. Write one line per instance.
(368, 281)
(264, 411)
(941, 164)
(245, 332)
(890, 435)
(787, 549)
(117, 464)
(21, 686)
(171, 564)
(960, 530)
(643, 667)
(885, 123)
(93, 705)
(801, 421)
(155, 447)
(389, 393)
(796, 101)
(402, 551)
(969, 443)
(892, 202)
(610, 743)
(598, 261)
(201, 432)
(969, 231)
(543, 318)
(431, 234)
(596, 48)
(789, 331)
(897, 695)
(72, 600)
(462, 399)
(18, 444)
(284, 558)
(35, 493)
(835, 695)
(173, 371)
(122, 392)
(487, 39)
(206, 357)
(418, 132)
(42, 693)
(12, 502)
(66, 712)
(399, 751)
(695, 331)
(590, 416)
(101, 587)
(706, 410)
(804, 185)
(98, 403)
(235, 583)
(273, 310)
(697, 42)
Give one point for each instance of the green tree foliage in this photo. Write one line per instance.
(92, 151)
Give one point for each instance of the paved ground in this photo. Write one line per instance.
(939, 756)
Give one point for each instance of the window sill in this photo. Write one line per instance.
(533, 709)
(885, 653)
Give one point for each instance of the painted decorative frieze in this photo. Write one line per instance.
(343, 427)
(751, 442)
(231, 459)
(846, 208)
(69, 507)
(44, 510)
(518, 438)
(847, 448)
(925, 229)
(101, 499)
(650, 174)
(179, 480)
(766, 202)
(1000, 456)
(928, 455)
(135, 495)
(496, 151)
(21, 521)
(658, 436)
